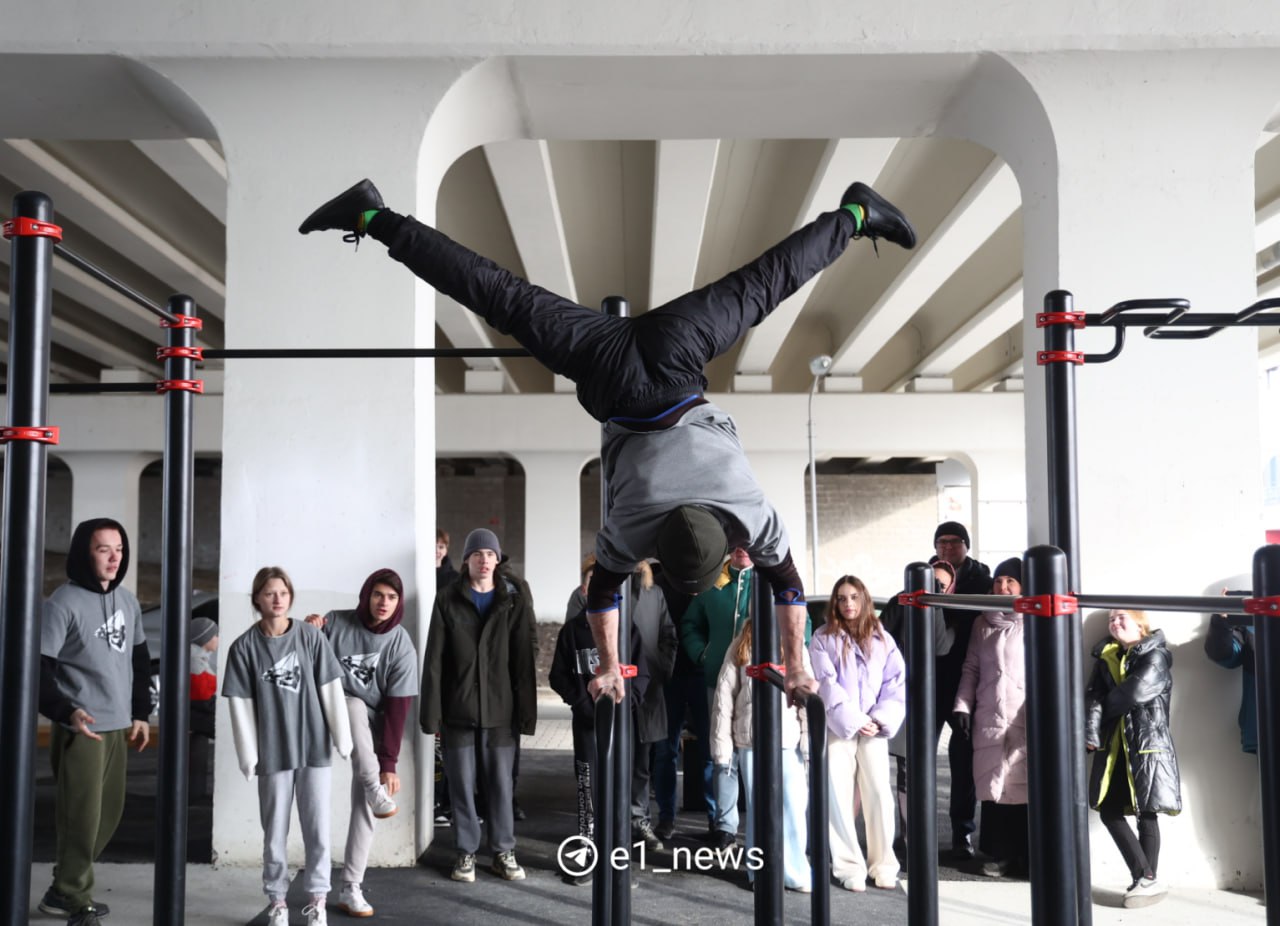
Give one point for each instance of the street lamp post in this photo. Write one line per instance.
(819, 366)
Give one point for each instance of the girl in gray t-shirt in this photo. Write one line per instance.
(284, 687)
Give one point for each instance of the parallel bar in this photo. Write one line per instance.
(922, 757)
(175, 656)
(1266, 659)
(1190, 320)
(766, 759)
(352, 353)
(22, 572)
(123, 289)
(92, 388)
(1064, 533)
(1049, 747)
(1186, 603)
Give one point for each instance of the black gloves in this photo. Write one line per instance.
(960, 722)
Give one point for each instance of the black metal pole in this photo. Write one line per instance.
(22, 574)
(819, 816)
(1064, 533)
(175, 657)
(1049, 747)
(922, 756)
(1266, 650)
(766, 758)
(603, 790)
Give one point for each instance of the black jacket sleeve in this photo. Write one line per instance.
(53, 703)
(141, 698)
(1144, 682)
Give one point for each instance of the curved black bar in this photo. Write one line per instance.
(766, 758)
(602, 787)
(172, 786)
(922, 756)
(1136, 305)
(123, 289)
(1050, 751)
(1266, 642)
(22, 570)
(1111, 354)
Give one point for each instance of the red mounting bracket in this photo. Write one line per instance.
(1059, 356)
(183, 321)
(912, 599)
(23, 227)
(193, 353)
(39, 435)
(180, 385)
(628, 671)
(1074, 319)
(1046, 605)
(758, 671)
(1268, 606)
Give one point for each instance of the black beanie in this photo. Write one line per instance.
(1011, 567)
(691, 546)
(952, 529)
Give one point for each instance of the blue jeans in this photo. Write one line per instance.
(685, 691)
(725, 785)
(796, 873)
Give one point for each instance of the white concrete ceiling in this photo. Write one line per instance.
(644, 219)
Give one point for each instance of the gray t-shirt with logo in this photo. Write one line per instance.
(283, 676)
(374, 665)
(91, 636)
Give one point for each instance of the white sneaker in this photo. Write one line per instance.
(352, 901)
(315, 914)
(1146, 892)
(381, 803)
(279, 916)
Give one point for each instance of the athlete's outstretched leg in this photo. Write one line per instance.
(712, 319)
(565, 337)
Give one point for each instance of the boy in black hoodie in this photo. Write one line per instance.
(94, 673)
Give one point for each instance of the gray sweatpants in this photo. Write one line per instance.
(466, 754)
(364, 782)
(275, 800)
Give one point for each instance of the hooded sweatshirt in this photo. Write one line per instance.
(92, 646)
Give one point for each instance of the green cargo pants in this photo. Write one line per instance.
(89, 781)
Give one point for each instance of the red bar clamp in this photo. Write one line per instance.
(23, 227)
(1268, 606)
(193, 353)
(628, 671)
(1074, 319)
(1059, 356)
(180, 385)
(1046, 605)
(39, 435)
(912, 599)
(183, 321)
(757, 672)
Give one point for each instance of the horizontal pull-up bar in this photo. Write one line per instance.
(365, 353)
(122, 288)
(1213, 605)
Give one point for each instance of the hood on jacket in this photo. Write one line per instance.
(80, 564)
(364, 612)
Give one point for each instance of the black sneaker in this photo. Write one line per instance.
(517, 812)
(665, 829)
(342, 213)
(882, 220)
(86, 916)
(723, 840)
(644, 829)
(55, 904)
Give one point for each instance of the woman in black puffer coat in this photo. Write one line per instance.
(1135, 770)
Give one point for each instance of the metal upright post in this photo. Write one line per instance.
(922, 756)
(766, 759)
(1059, 322)
(1049, 746)
(623, 728)
(22, 575)
(175, 593)
(1266, 645)
(602, 791)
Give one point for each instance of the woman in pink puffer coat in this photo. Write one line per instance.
(990, 709)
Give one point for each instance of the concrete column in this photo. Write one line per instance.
(1000, 505)
(781, 475)
(551, 528)
(105, 485)
(1137, 181)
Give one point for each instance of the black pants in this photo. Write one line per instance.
(631, 367)
(1142, 852)
(1004, 832)
(964, 796)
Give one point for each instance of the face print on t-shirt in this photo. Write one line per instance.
(112, 630)
(361, 667)
(285, 674)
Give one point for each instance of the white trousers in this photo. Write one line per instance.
(862, 762)
(365, 778)
(275, 801)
